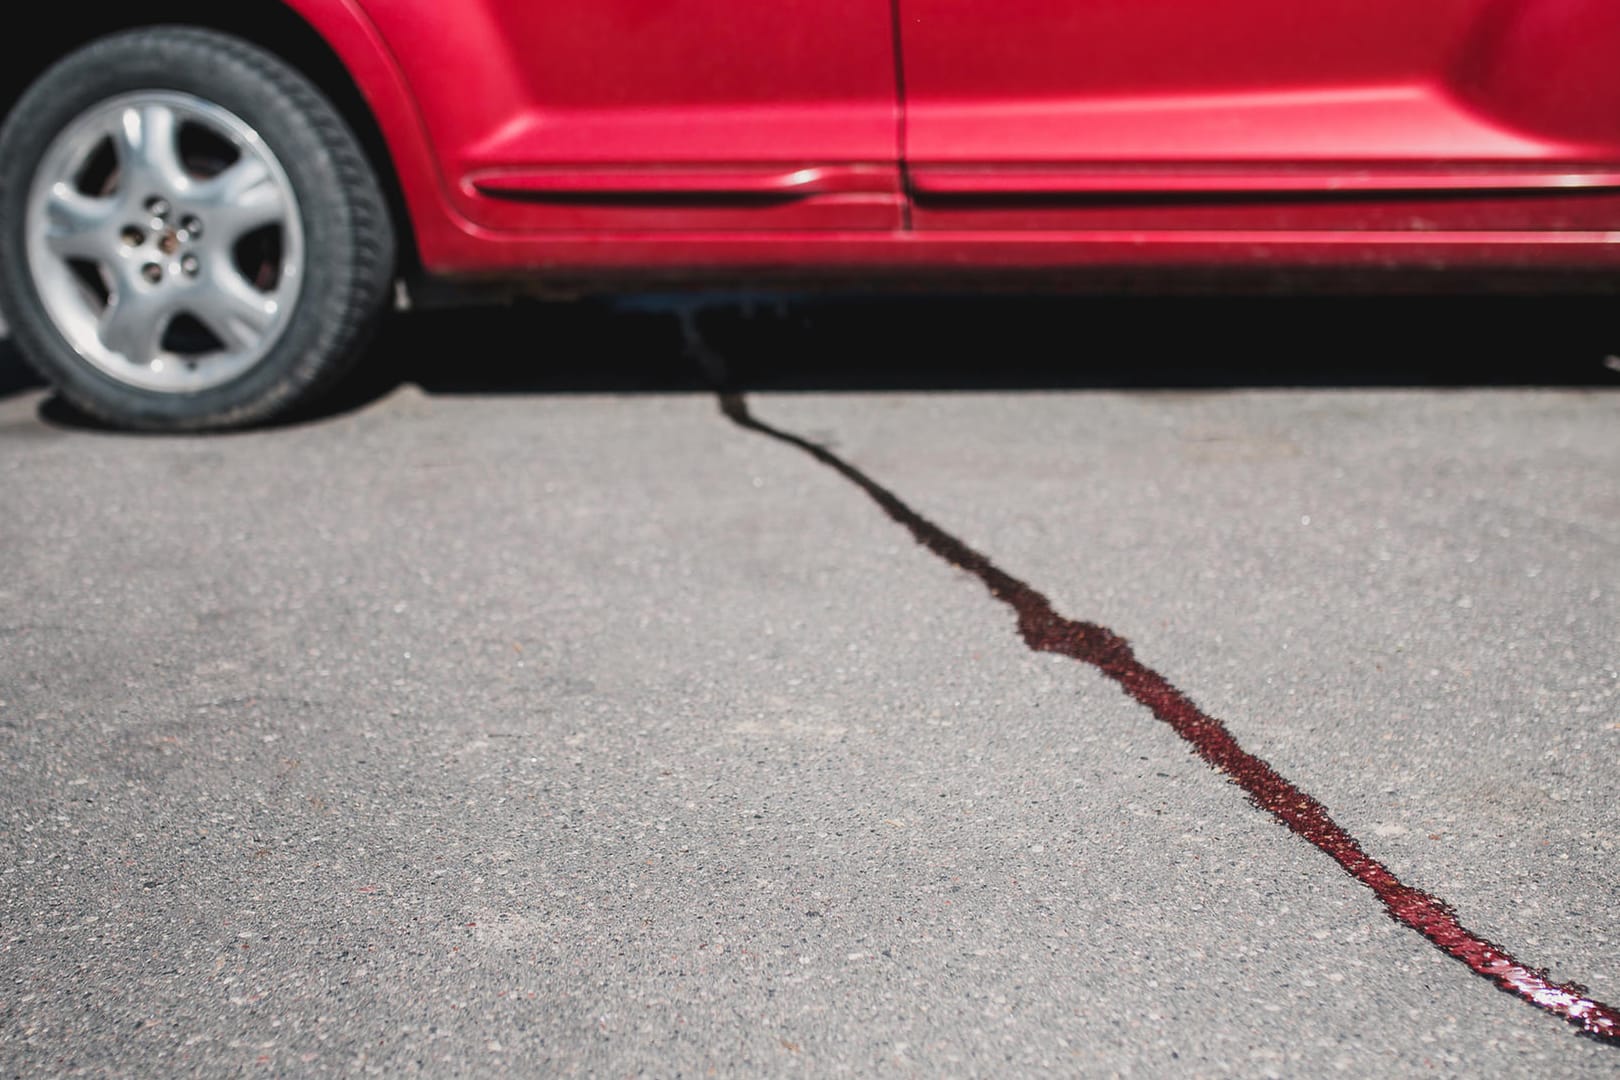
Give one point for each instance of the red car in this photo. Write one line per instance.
(204, 207)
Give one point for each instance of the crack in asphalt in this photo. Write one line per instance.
(1043, 629)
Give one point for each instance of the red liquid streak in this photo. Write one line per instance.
(1044, 630)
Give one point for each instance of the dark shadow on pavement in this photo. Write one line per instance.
(984, 342)
(999, 343)
(16, 377)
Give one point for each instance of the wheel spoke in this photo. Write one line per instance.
(129, 247)
(241, 199)
(234, 311)
(77, 224)
(148, 140)
(134, 324)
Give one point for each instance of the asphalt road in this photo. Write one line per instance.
(519, 712)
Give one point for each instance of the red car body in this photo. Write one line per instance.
(205, 208)
(564, 137)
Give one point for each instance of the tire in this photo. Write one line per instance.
(191, 237)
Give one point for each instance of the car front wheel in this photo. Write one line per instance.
(190, 235)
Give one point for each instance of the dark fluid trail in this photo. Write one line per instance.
(1044, 630)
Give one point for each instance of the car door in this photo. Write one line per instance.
(1262, 114)
(629, 115)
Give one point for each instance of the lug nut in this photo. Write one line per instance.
(190, 228)
(158, 207)
(133, 237)
(152, 272)
(190, 265)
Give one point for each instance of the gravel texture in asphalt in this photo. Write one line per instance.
(527, 714)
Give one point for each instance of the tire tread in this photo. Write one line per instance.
(350, 317)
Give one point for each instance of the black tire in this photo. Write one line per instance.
(348, 238)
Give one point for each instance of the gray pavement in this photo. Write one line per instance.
(582, 733)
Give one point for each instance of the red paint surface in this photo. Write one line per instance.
(994, 100)
(1044, 630)
(1055, 81)
(721, 88)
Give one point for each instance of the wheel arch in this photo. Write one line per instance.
(274, 25)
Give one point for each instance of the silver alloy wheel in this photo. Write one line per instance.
(165, 241)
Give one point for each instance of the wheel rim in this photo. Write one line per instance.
(165, 241)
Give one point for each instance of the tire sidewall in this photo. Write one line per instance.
(235, 79)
